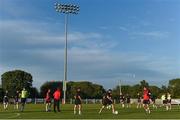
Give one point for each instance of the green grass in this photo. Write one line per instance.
(90, 111)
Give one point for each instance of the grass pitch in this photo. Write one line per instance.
(90, 111)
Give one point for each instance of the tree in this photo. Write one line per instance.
(52, 85)
(164, 89)
(16, 80)
(1, 94)
(126, 89)
(143, 83)
(88, 89)
(174, 87)
(34, 93)
(155, 91)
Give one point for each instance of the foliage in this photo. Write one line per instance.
(174, 87)
(17, 80)
(33, 93)
(1, 94)
(133, 90)
(52, 85)
(88, 89)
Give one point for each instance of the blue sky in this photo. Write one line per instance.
(108, 40)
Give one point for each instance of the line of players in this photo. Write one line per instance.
(142, 101)
(107, 101)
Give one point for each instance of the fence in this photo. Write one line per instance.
(98, 101)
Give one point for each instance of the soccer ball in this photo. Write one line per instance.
(116, 112)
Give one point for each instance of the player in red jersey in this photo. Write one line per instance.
(57, 96)
(146, 100)
(48, 100)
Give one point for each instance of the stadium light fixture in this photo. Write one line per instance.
(66, 9)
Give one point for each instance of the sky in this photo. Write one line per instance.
(108, 41)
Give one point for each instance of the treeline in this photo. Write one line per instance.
(17, 80)
(88, 89)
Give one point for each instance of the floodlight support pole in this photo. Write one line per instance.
(65, 58)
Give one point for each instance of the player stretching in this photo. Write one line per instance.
(107, 100)
(146, 100)
(78, 101)
(48, 100)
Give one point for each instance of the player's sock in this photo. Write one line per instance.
(146, 110)
(123, 105)
(167, 108)
(79, 112)
(6, 106)
(113, 111)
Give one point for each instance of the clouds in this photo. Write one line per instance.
(152, 34)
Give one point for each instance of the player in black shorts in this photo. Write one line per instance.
(107, 100)
(139, 103)
(16, 100)
(6, 100)
(146, 100)
(168, 107)
(78, 101)
(128, 101)
(122, 100)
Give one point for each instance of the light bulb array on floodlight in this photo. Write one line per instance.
(66, 8)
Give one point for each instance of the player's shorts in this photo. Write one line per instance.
(77, 102)
(128, 101)
(146, 102)
(109, 102)
(164, 101)
(16, 100)
(122, 101)
(169, 101)
(139, 100)
(48, 101)
(105, 101)
(23, 100)
(5, 100)
(153, 100)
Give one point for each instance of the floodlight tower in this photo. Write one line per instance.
(66, 9)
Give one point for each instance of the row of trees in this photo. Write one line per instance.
(17, 80)
(88, 89)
